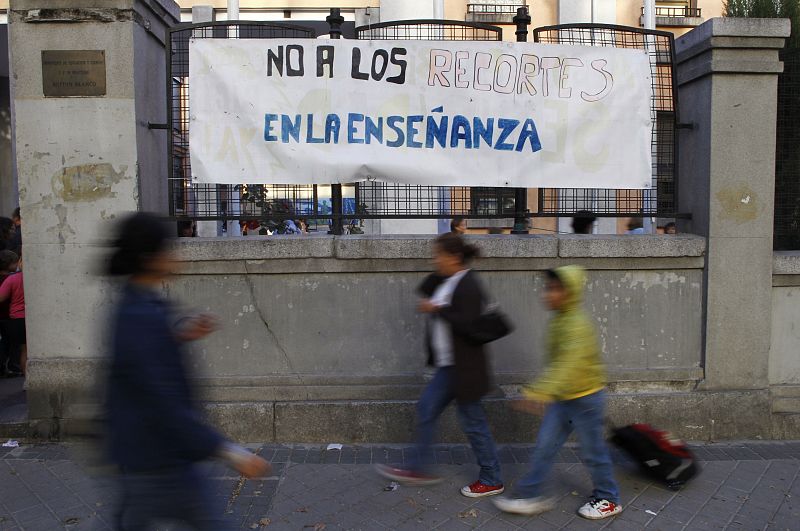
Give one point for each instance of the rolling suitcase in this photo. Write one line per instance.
(658, 453)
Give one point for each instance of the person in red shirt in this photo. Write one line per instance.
(12, 290)
(8, 266)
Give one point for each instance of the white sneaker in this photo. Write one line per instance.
(599, 509)
(527, 506)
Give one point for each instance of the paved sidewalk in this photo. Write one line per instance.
(743, 486)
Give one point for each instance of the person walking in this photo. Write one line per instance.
(571, 394)
(155, 432)
(453, 301)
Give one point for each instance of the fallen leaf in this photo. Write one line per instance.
(472, 513)
(72, 521)
(574, 492)
(264, 522)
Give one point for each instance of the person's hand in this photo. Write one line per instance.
(198, 327)
(253, 467)
(426, 306)
(532, 407)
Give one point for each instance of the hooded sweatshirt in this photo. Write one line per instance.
(574, 367)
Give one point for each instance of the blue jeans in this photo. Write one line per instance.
(472, 417)
(585, 415)
(175, 495)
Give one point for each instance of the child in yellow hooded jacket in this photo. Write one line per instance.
(571, 394)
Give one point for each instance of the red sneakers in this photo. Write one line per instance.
(479, 490)
(406, 477)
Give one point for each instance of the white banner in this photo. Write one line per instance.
(419, 112)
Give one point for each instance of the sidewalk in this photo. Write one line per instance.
(743, 486)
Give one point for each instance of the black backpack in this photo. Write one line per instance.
(658, 453)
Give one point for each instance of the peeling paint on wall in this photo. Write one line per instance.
(738, 203)
(87, 182)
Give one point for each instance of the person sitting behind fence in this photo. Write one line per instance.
(583, 222)
(671, 228)
(458, 225)
(187, 228)
(635, 226)
(291, 227)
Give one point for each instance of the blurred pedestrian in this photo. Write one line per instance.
(570, 393)
(156, 433)
(453, 303)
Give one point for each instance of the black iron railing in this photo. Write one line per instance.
(678, 12)
(494, 9)
(661, 199)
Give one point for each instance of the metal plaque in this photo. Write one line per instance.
(73, 73)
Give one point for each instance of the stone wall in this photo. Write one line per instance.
(321, 340)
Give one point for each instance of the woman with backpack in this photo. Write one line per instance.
(453, 302)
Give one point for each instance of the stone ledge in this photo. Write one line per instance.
(415, 247)
(738, 28)
(703, 416)
(254, 248)
(637, 246)
(219, 253)
(786, 263)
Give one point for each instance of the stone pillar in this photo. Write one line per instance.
(727, 76)
(84, 156)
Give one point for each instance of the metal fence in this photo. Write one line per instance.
(188, 199)
(787, 155)
(661, 199)
(321, 205)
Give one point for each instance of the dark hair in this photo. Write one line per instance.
(7, 258)
(456, 221)
(670, 225)
(551, 274)
(184, 224)
(16, 214)
(139, 236)
(582, 222)
(635, 223)
(453, 244)
(6, 224)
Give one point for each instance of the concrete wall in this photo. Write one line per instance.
(321, 341)
(784, 361)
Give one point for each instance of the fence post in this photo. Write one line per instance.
(522, 19)
(335, 21)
